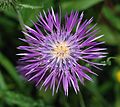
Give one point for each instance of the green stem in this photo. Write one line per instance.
(82, 103)
(20, 20)
(19, 17)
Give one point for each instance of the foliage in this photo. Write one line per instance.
(15, 91)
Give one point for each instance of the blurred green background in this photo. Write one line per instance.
(16, 92)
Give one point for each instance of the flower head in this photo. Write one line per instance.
(52, 58)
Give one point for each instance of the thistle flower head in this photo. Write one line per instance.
(55, 51)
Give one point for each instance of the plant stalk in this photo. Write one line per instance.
(82, 103)
(20, 19)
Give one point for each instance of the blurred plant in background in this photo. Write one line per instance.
(15, 91)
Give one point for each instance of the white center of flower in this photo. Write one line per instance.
(61, 50)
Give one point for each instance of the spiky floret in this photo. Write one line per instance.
(53, 55)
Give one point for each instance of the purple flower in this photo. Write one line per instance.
(55, 51)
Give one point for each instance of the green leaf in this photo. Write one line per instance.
(30, 6)
(10, 12)
(20, 100)
(111, 17)
(10, 68)
(29, 9)
(7, 3)
(3, 85)
(109, 36)
(78, 4)
(29, 14)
